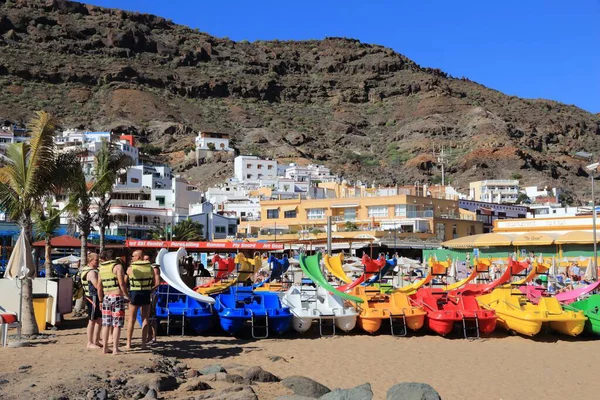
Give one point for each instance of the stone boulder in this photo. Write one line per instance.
(212, 369)
(362, 392)
(304, 386)
(257, 374)
(412, 391)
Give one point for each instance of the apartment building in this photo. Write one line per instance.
(405, 215)
(498, 191)
(487, 213)
(254, 170)
(213, 141)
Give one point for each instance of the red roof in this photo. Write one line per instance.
(62, 241)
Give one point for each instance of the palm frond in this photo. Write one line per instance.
(40, 155)
(47, 221)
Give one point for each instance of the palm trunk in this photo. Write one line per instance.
(84, 248)
(102, 236)
(47, 264)
(29, 326)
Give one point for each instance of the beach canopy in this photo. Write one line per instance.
(70, 259)
(64, 241)
(20, 263)
(493, 239)
(577, 237)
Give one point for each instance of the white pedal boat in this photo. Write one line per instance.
(309, 304)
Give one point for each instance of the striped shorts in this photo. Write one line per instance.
(113, 311)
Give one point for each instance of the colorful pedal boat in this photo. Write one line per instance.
(591, 309)
(445, 309)
(239, 305)
(516, 313)
(172, 304)
(377, 307)
(308, 304)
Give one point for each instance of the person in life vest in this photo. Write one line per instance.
(93, 296)
(152, 327)
(143, 278)
(112, 285)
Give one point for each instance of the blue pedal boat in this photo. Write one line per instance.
(173, 307)
(262, 310)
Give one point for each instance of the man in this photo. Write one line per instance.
(93, 298)
(112, 285)
(143, 278)
(574, 271)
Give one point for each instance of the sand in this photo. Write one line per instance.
(501, 367)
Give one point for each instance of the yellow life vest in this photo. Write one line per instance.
(86, 283)
(142, 276)
(110, 284)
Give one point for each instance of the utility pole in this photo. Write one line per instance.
(441, 159)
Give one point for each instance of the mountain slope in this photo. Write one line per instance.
(364, 110)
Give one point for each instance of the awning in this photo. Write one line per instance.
(577, 237)
(344, 205)
(465, 242)
(533, 238)
(271, 208)
(289, 208)
(492, 239)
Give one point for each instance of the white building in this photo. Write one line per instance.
(11, 134)
(311, 172)
(545, 193)
(213, 141)
(215, 226)
(552, 210)
(255, 170)
(494, 191)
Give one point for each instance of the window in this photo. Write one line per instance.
(454, 232)
(248, 165)
(260, 176)
(378, 211)
(219, 229)
(222, 145)
(248, 176)
(231, 230)
(269, 167)
(440, 230)
(161, 201)
(259, 166)
(400, 210)
(290, 214)
(273, 214)
(315, 213)
(349, 214)
(243, 214)
(135, 180)
(411, 211)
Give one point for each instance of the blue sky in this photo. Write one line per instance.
(529, 48)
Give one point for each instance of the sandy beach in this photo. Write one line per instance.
(502, 367)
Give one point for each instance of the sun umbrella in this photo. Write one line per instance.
(452, 271)
(590, 272)
(20, 263)
(500, 262)
(553, 268)
(407, 261)
(70, 259)
(540, 259)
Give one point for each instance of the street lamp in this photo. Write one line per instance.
(592, 168)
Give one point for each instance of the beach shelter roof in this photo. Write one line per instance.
(64, 241)
(464, 242)
(536, 238)
(577, 237)
(492, 239)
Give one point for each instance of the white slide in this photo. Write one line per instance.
(169, 271)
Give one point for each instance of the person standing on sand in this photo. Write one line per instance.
(93, 298)
(143, 278)
(112, 284)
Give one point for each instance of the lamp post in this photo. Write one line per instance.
(592, 168)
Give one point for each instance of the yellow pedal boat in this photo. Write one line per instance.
(516, 313)
(394, 307)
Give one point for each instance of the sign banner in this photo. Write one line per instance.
(212, 246)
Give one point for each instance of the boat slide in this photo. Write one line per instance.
(312, 269)
(334, 264)
(248, 267)
(389, 265)
(469, 278)
(309, 304)
(169, 271)
(220, 272)
(573, 295)
(435, 269)
(371, 267)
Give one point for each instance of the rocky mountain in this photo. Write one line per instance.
(364, 110)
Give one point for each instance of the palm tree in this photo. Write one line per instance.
(109, 161)
(185, 230)
(47, 222)
(80, 201)
(25, 180)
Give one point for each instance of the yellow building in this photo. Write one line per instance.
(376, 212)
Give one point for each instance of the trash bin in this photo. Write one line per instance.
(40, 305)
